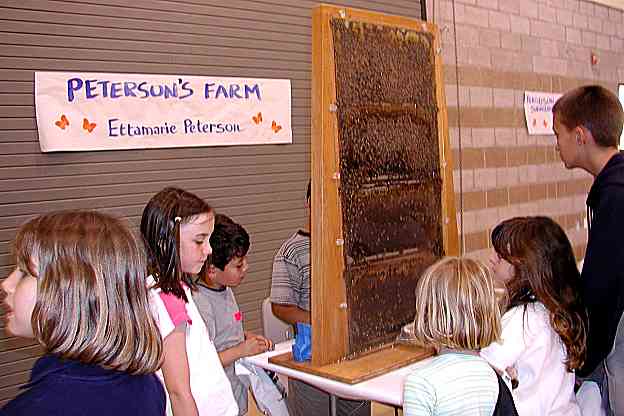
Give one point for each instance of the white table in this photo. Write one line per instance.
(387, 388)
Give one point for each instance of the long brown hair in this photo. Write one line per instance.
(160, 227)
(545, 271)
(92, 301)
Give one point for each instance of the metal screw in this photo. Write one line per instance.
(342, 13)
(336, 176)
(333, 107)
(339, 242)
(343, 305)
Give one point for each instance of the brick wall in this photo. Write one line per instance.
(505, 47)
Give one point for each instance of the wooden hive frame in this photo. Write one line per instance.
(329, 311)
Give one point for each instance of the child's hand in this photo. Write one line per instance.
(267, 341)
(253, 346)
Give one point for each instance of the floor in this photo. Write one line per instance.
(378, 409)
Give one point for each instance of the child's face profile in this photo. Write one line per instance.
(233, 273)
(195, 242)
(502, 270)
(21, 294)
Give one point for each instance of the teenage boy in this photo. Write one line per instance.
(290, 301)
(588, 124)
(217, 304)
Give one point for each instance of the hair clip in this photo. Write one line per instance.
(177, 219)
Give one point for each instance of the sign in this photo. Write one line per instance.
(98, 111)
(538, 111)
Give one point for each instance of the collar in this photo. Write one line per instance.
(51, 365)
(204, 285)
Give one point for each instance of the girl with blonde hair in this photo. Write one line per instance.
(457, 314)
(79, 289)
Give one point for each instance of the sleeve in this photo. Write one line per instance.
(282, 279)
(167, 310)
(603, 277)
(419, 397)
(514, 339)
(206, 311)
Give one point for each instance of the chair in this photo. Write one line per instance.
(274, 329)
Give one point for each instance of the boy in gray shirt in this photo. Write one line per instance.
(217, 304)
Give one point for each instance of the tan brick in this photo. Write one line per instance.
(489, 38)
(483, 137)
(538, 191)
(588, 38)
(471, 158)
(532, 45)
(573, 35)
(547, 30)
(513, 7)
(544, 64)
(580, 21)
(511, 41)
(516, 156)
(499, 20)
(495, 157)
(505, 136)
(546, 13)
(536, 156)
(474, 200)
(488, 4)
(475, 16)
(497, 198)
(481, 97)
(603, 42)
(550, 48)
(587, 8)
(503, 98)
(595, 24)
(519, 24)
(476, 241)
(485, 178)
(519, 194)
(565, 17)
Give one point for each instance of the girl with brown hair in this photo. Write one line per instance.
(543, 335)
(79, 289)
(176, 226)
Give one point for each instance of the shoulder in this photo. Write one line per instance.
(296, 244)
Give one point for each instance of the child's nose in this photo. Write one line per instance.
(207, 249)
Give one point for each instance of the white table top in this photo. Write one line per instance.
(387, 388)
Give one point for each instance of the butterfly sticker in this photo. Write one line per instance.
(275, 127)
(534, 122)
(62, 122)
(545, 124)
(257, 119)
(87, 125)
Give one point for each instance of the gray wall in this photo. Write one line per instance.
(261, 187)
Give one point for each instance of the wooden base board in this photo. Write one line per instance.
(361, 368)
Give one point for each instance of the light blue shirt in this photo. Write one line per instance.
(451, 384)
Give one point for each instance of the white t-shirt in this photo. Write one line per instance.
(530, 344)
(209, 384)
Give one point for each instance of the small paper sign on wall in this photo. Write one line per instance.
(98, 111)
(538, 112)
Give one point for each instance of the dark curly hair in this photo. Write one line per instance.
(228, 240)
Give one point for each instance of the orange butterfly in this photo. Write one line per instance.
(534, 122)
(88, 126)
(275, 127)
(257, 119)
(62, 123)
(545, 124)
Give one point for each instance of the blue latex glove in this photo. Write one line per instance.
(302, 348)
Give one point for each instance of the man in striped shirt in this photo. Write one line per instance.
(290, 302)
